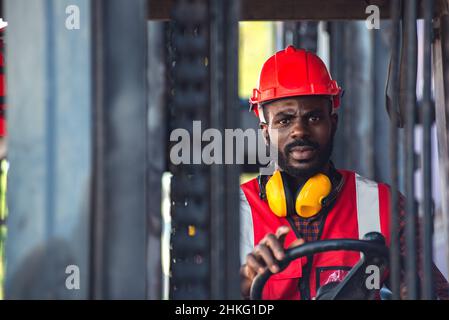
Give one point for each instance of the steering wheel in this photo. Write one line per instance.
(353, 287)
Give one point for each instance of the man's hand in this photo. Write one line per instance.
(265, 255)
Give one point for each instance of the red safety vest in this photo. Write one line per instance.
(361, 206)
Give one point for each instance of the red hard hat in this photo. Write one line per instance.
(293, 72)
(2, 87)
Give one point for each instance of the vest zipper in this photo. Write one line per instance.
(303, 286)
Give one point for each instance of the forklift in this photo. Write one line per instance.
(90, 112)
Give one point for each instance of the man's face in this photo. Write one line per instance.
(305, 129)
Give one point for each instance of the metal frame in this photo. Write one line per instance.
(440, 48)
(190, 186)
(225, 216)
(395, 260)
(428, 220)
(49, 130)
(106, 145)
(157, 130)
(408, 94)
(74, 115)
(256, 10)
(119, 208)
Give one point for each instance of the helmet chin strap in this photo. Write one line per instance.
(261, 114)
(334, 110)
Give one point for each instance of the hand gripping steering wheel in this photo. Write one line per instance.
(353, 287)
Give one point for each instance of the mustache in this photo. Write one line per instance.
(301, 143)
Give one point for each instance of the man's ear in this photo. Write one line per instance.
(264, 127)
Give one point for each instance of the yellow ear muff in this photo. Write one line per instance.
(276, 195)
(309, 201)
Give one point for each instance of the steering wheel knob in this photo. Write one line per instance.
(375, 236)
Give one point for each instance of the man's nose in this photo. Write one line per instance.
(300, 129)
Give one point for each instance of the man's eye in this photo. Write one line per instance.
(314, 119)
(284, 121)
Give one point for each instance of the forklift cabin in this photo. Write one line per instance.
(89, 141)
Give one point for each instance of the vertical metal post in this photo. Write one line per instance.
(225, 179)
(336, 30)
(363, 103)
(441, 72)
(359, 106)
(190, 184)
(232, 173)
(381, 137)
(303, 34)
(410, 69)
(395, 260)
(443, 112)
(98, 219)
(427, 106)
(156, 154)
(218, 239)
(49, 128)
(120, 160)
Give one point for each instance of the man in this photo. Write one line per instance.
(306, 199)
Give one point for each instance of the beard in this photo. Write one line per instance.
(310, 168)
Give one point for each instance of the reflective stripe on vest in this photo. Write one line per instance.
(368, 215)
(246, 228)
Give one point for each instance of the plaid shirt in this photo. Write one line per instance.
(309, 229)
